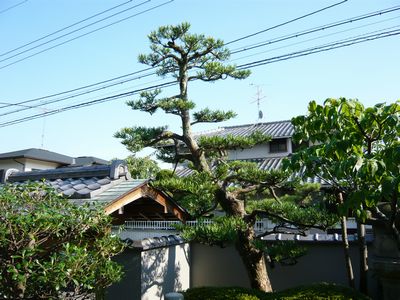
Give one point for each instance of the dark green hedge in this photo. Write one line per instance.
(315, 291)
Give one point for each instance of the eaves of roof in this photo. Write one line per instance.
(38, 154)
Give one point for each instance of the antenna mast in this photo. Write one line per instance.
(258, 98)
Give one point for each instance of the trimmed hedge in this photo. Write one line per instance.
(314, 291)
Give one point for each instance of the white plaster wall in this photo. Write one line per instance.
(10, 164)
(259, 151)
(38, 164)
(164, 270)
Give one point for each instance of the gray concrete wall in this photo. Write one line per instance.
(165, 270)
(130, 285)
(214, 266)
(152, 272)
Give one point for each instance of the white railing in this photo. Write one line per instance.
(261, 225)
(138, 230)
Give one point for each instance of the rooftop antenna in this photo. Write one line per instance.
(258, 98)
(43, 109)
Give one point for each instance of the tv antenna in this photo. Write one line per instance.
(258, 98)
(42, 109)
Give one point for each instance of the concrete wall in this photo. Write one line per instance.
(165, 270)
(152, 272)
(129, 286)
(214, 266)
(162, 265)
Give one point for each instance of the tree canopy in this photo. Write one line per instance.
(214, 181)
(50, 248)
(356, 149)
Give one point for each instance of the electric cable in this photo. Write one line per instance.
(285, 23)
(13, 6)
(309, 51)
(64, 28)
(85, 34)
(316, 29)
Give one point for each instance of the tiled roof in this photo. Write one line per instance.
(267, 164)
(278, 129)
(77, 182)
(107, 186)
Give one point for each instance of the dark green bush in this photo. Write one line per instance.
(314, 291)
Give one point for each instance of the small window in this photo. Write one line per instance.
(277, 146)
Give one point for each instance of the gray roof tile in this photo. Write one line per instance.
(63, 187)
(94, 186)
(278, 129)
(79, 186)
(84, 191)
(68, 192)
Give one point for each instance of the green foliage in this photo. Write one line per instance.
(137, 138)
(285, 252)
(142, 167)
(205, 54)
(356, 149)
(215, 145)
(195, 192)
(49, 246)
(303, 217)
(221, 231)
(314, 291)
(178, 53)
(208, 116)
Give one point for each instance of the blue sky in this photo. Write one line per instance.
(367, 71)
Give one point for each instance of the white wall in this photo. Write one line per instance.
(259, 151)
(26, 164)
(164, 270)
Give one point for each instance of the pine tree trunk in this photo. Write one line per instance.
(362, 244)
(254, 261)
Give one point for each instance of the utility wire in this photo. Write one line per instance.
(71, 32)
(87, 33)
(13, 6)
(319, 28)
(319, 37)
(84, 104)
(103, 87)
(272, 41)
(309, 51)
(323, 48)
(27, 101)
(69, 96)
(64, 28)
(285, 23)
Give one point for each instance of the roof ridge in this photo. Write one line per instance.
(253, 124)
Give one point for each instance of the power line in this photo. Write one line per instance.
(319, 37)
(319, 28)
(70, 96)
(71, 32)
(84, 104)
(285, 23)
(292, 20)
(87, 33)
(309, 51)
(314, 12)
(64, 28)
(297, 34)
(323, 48)
(13, 6)
(149, 74)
